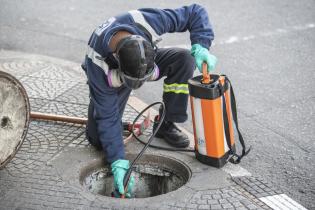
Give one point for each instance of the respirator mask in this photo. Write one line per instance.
(135, 57)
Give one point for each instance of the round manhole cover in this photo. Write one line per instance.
(14, 116)
(154, 175)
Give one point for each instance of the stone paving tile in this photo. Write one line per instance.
(45, 88)
(42, 142)
(80, 142)
(20, 67)
(67, 109)
(227, 198)
(59, 72)
(50, 192)
(78, 94)
(256, 186)
(37, 103)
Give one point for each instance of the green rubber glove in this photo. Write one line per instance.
(119, 169)
(201, 55)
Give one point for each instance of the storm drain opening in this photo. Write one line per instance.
(154, 175)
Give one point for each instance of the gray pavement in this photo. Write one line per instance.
(265, 47)
(45, 173)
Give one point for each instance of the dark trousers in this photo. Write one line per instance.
(178, 66)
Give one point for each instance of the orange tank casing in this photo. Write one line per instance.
(211, 146)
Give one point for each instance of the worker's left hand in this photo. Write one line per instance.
(119, 169)
(201, 55)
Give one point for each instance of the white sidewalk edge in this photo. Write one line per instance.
(282, 202)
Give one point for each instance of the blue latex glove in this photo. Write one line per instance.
(201, 55)
(119, 169)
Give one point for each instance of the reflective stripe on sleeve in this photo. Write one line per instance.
(138, 18)
(94, 56)
(176, 88)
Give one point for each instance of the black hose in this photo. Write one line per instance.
(127, 175)
(147, 144)
(154, 133)
(159, 125)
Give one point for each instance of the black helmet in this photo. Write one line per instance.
(136, 60)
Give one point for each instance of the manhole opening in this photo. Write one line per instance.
(154, 175)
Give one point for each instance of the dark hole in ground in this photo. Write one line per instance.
(5, 122)
(151, 178)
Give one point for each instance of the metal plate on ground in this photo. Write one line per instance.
(14, 116)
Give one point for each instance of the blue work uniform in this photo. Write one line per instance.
(109, 102)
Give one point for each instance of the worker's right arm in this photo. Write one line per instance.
(106, 113)
(193, 18)
(109, 127)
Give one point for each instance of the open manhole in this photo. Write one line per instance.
(154, 175)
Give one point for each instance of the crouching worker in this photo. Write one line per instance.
(122, 55)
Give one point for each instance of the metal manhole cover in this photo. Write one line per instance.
(14, 116)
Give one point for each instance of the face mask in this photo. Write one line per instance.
(116, 79)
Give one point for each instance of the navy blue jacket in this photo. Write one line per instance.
(193, 18)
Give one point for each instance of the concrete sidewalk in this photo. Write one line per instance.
(45, 173)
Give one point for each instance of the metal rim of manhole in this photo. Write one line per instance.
(154, 175)
(14, 117)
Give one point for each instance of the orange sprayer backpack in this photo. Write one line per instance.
(214, 119)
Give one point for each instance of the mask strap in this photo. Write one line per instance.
(147, 33)
(142, 53)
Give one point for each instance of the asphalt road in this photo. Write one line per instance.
(266, 47)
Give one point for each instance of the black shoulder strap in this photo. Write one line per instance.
(234, 158)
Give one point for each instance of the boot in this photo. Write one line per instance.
(171, 133)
